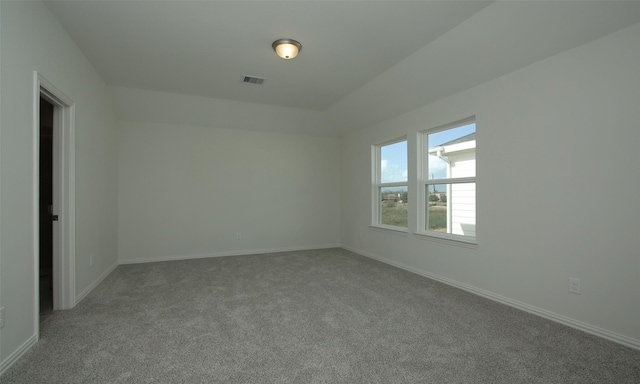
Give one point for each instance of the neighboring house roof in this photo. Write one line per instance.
(462, 144)
(469, 137)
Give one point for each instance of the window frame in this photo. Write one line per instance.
(424, 183)
(377, 184)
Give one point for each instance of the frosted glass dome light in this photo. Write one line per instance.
(286, 48)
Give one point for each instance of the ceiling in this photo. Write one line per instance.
(361, 61)
(206, 47)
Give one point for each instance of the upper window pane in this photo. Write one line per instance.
(452, 153)
(393, 163)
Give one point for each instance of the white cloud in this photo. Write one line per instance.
(437, 167)
(392, 172)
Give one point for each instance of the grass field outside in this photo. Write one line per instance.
(438, 218)
(393, 213)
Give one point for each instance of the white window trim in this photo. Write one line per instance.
(447, 238)
(424, 182)
(376, 184)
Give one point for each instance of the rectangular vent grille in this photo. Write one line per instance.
(253, 80)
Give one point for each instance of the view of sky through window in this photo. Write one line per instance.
(393, 163)
(450, 134)
(438, 167)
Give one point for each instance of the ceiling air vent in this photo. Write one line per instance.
(253, 80)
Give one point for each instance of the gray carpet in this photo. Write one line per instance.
(326, 316)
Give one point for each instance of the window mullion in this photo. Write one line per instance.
(457, 180)
(399, 184)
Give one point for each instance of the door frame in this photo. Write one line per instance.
(63, 195)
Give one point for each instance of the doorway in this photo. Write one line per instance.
(46, 211)
(53, 200)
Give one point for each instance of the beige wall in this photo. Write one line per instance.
(32, 40)
(189, 191)
(557, 189)
(197, 173)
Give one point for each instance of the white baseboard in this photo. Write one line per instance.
(597, 331)
(224, 254)
(90, 288)
(9, 361)
(612, 336)
(12, 358)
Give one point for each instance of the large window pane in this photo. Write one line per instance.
(451, 208)
(452, 153)
(393, 206)
(450, 180)
(393, 163)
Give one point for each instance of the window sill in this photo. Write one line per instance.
(390, 229)
(460, 242)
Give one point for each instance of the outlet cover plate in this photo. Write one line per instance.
(574, 285)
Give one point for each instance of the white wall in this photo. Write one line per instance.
(187, 191)
(32, 39)
(557, 188)
(173, 108)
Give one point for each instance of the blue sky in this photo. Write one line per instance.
(450, 134)
(393, 163)
(437, 166)
(393, 159)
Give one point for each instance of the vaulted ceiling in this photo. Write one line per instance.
(361, 61)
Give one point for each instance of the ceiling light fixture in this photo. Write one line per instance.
(287, 48)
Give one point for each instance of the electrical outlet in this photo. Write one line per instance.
(574, 285)
(1, 317)
(238, 236)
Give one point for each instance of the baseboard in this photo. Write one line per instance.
(588, 328)
(17, 354)
(224, 254)
(9, 361)
(90, 288)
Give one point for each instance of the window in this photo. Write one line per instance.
(390, 185)
(449, 181)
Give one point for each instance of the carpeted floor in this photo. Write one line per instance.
(326, 316)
